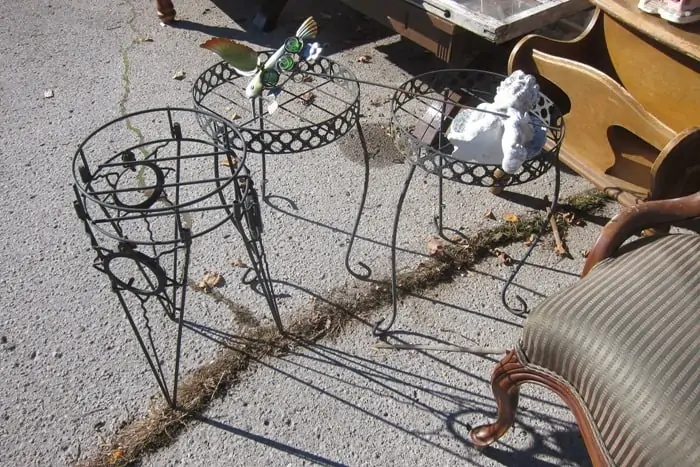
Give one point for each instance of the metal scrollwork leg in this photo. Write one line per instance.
(366, 270)
(252, 239)
(140, 282)
(378, 330)
(247, 219)
(439, 218)
(257, 107)
(521, 308)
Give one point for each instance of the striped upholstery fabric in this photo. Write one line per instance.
(625, 338)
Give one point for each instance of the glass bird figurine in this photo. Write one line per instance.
(266, 73)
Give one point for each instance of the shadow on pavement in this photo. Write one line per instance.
(442, 406)
(340, 27)
(270, 443)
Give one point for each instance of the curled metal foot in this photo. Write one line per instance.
(364, 275)
(522, 309)
(378, 330)
(381, 331)
(366, 272)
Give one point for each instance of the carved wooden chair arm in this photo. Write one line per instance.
(637, 218)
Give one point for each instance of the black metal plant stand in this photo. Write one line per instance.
(146, 186)
(421, 113)
(326, 107)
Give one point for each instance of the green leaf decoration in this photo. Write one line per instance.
(239, 56)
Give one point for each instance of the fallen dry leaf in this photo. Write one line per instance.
(503, 257)
(307, 79)
(308, 98)
(435, 246)
(235, 116)
(585, 253)
(48, 94)
(180, 75)
(489, 214)
(571, 219)
(229, 163)
(209, 281)
(364, 59)
(510, 217)
(238, 263)
(530, 240)
(115, 456)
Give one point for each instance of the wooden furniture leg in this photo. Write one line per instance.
(509, 374)
(506, 392)
(268, 13)
(166, 11)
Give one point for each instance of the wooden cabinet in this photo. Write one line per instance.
(630, 86)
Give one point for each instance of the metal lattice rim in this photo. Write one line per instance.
(288, 140)
(440, 163)
(79, 166)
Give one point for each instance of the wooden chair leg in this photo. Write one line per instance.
(508, 375)
(166, 11)
(506, 392)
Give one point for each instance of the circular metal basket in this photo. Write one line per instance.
(422, 114)
(322, 108)
(142, 174)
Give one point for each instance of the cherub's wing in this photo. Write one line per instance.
(241, 57)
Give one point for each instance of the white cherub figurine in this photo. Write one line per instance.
(491, 139)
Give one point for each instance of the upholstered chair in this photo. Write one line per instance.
(621, 346)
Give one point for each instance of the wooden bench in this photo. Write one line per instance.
(632, 85)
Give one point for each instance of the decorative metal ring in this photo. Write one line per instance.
(141, 259)
(157, 190)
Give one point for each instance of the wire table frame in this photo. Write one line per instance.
(422, 110)
(143, 197)
(322, 97)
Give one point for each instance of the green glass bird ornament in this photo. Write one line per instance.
(246, 62)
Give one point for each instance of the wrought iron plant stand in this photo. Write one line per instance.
(143, 197)
(422, 110)
(322, 96)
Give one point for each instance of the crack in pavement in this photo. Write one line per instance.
(125, 72)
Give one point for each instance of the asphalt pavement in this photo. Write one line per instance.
(72, 374)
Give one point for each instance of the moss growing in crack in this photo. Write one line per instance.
(327, 319)
(587, 202)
